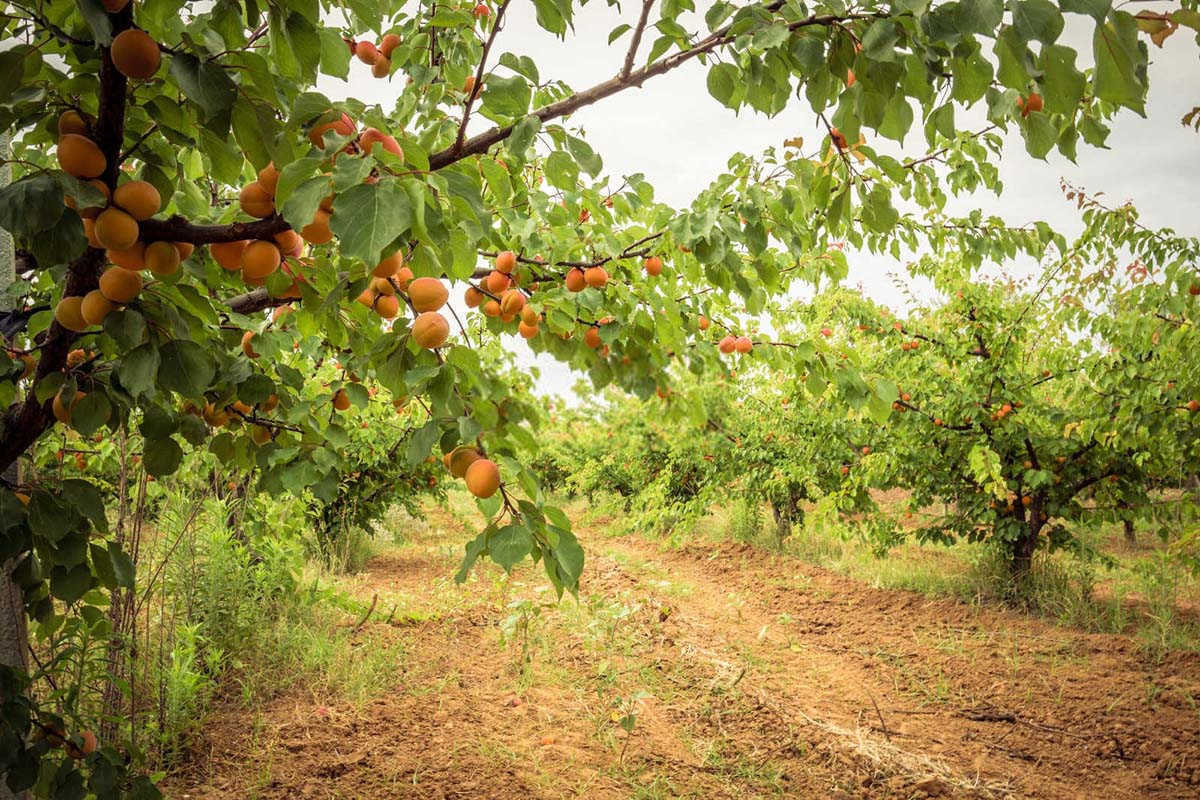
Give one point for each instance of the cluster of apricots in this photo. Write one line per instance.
(391, 281)
(735, 344)
(501, 296)
(481, 475)
(1029, 104)
(376, 56)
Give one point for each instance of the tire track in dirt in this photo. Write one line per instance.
(997, 697)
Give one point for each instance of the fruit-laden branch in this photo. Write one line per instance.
(481, 142)
(631, 251)
(178, 229)
(24, 422)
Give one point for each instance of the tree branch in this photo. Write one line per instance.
(178, 229)
(477, 86)
(637, 38)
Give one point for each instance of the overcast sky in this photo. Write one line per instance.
(672, 131)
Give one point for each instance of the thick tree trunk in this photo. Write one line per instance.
(1024, 547)
(1130, 536)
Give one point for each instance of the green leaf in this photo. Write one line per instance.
(561, 170)
(1096, 9)
(509, 545)
(369, 217)
(185, 367)
(138, 368)
(1038, 20)
(87, 500)
(618, 32)
(523, 133)
(1062, 85)
(303, 201)
(69, 585)
(422, 442)
(206, 84)
(1040, 135)
(90, 413)
(1120, 63)
(122, 566)
(724, 84)
(161, 456)
(97, 19)
(506, 98)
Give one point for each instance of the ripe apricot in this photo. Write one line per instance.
(506, 261)
(367, 297)
(382, 66)
(268, 178)
(120, 285)
(138, 198)
(402, 278)
(483, 478)
(703, 323)
(575, 280)
(247, 346)
(366, 52)
(89, 233)
(162, 258)
(1030, 104)
(256, 200)
(388, 43)
(318, 231)
(260, 434)
(229, 254)
(95, 307)
(653, 265)
(427, 294)
(134, 258)
(69, 313)
(727, 344)
(481, 11)
(511, 302)
(473, 297)
(387, 306)
(491, 308)
(371, 136)
(135, 54)
(592, 338)
(382, 286)
(430, 330)
(743, 344)
(116, 230)
(528, 315)
(62, 410)
(341, 400)
(184, 249)
(389, 266)
(527, 330)
(497, 281)
(71, 121)
(460, 458)
(343, 126)
(260, 259)
(290, 243)
(79, 156)
(596, 277)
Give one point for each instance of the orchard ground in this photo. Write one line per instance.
(716, 668)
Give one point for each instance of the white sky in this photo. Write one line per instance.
(672, 131)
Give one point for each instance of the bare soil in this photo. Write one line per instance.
(750, 674)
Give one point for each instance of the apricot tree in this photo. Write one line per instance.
(178, 177)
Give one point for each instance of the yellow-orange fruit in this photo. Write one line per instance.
(256, 201)
(389, 266)
(575, 280)
(653, 265)
(317, 231)
(260, 259)
(595, 277)
(280, 312)
(116, 230)
(387, 306)
(76, 357)
(95, 307)
(268, 178)
(527, 330)
(162, 258)
(134, 258)
(528, 315)
(402, 278)
(483, 478)
(427, 294)
(743, 344)
(727, 344)
(366, 52)
(367, 298)
(506, 318)
(473, 297)
(247, 346)
(30, 364)
(71, 121)
(79, 156)
(373, 135)
(382, 286)
(491, 308)
(89, 233)
(343, 127)
(228, 254)
(139, 198)
(260, 434)
(120, 285)
(511, 302)
(268, 405)
(290, 243)
(703, 323)
(341, 400)
(216, 417)
(592, 338)
(497, 281)
(62, 410)
(69, 313)
(184, 249)
(388, 43)
(382, 66)
(506, 261)
(430, 330)
(135, 54)
(460, 458)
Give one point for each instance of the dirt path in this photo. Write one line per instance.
(747, 674)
